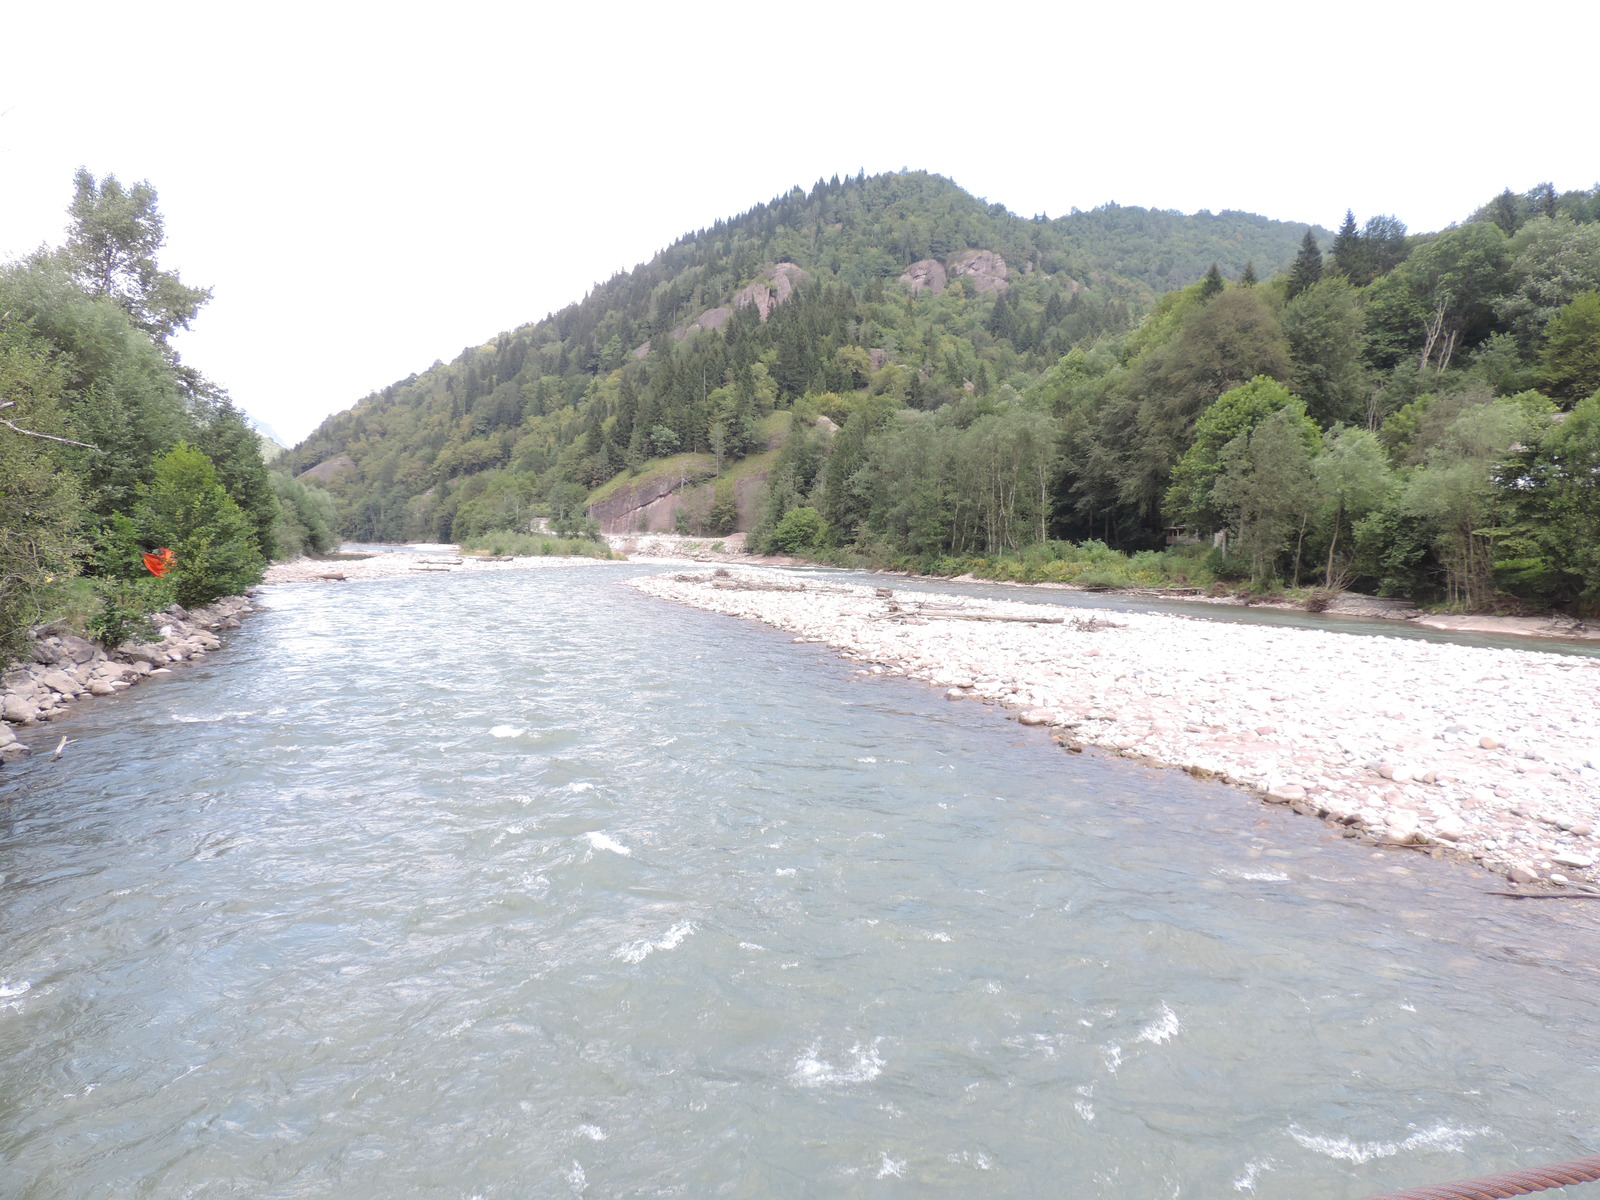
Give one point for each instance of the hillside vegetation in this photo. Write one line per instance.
(111, 446)
(956, 387)
(898, 284)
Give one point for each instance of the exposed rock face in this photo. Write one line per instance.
(929, 273)
(771, 288)
(712, 318)
(620, 511)
(328, 468)
(985, 269)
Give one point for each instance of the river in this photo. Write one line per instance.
(526, 884)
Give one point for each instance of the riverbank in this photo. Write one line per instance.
(1490, 754)
(64, 669)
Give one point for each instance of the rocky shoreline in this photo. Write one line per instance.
(1487, 754)
(63, 668)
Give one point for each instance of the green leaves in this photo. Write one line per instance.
(186, 509)
(1571, 358)
(111, 248)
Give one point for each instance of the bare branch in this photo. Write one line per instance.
(32, 433)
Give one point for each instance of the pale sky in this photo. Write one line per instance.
(368, 188)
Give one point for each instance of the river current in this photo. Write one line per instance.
(524, 884)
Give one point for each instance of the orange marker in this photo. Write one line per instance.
(159, 563)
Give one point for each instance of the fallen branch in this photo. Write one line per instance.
(947, 615)
(1547, 895)
(34, 433)
(751, 585)
(60, 746)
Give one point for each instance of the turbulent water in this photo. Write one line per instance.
(524, 884)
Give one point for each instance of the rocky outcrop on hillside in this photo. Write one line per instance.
(328, 468)
(63, 668)
(771, 288)
(929, 273)
(984, 269)
(650, 497)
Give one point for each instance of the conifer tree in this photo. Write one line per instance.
(1349, 253)
(1212, 284)
(1248, 279)
(1307, 268)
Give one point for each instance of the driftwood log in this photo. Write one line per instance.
(751, 585)
(945, 614)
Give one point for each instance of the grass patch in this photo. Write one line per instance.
(694, 467)
(500, 542)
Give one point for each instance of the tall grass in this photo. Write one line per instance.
(534, 545)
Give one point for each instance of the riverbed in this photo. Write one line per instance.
(528, 884)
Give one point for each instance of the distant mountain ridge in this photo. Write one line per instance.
(823, 290)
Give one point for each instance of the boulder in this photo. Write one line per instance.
(79, 650)
(19, 710)
(148, 653)
(60, 682)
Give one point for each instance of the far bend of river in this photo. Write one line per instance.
(524, 884)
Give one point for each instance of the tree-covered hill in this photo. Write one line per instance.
(890, 371)
(822, 292)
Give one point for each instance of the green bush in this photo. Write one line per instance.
(801, 529)
(186, 509)
(124, 604)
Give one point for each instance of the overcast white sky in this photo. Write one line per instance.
(371, 187)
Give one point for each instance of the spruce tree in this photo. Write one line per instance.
(1248, 279)
(1307, 268)
(1349, 253)
(1212, 284)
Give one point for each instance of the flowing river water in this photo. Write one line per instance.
(524, 884)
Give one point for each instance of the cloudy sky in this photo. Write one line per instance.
(369, 188)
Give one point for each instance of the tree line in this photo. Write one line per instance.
(112, 446)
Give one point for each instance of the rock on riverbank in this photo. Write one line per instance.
(64, 668)
(1493, 753)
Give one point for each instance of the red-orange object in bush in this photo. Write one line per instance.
(160, 562)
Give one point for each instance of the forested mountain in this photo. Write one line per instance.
(913, 377)
(901, 284)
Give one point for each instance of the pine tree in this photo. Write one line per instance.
(1307, 268)
(1212, 284)
(1248, 279)
(1349, 253)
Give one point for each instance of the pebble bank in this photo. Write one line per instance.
(1492, 753)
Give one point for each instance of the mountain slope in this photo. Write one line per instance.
(902, 284)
